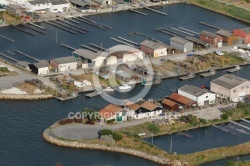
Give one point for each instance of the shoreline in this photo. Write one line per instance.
(25, 97)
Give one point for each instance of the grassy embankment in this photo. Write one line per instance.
(14, 20)
(229, 10)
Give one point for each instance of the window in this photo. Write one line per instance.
(206, 96)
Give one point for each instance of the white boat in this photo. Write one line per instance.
(108, 89)
(124, 87)
(219, 52)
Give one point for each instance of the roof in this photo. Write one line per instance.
(58, 2)
(86, 53)
(23, 64)
(229, 81)
(246, 30)
(13, 6)
(134, 106)
(41, 64)
(181, 99)
(224, 33)
(36, 2)
(148, 105)
(106, 113)
(168, 102)
(67, 59)
(122, 49)
(193, 90)
(122, 73)
(179, 40)
(196, 40)
(153, 44)
(80, 2)
(113, 108)
(208, 34)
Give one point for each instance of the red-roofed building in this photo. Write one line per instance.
(170, 105)
(182, 100)
(243, 33)
(113, 111)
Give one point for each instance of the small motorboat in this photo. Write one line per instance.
(108, 89)
(124, 87)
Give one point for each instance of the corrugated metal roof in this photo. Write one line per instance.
(41, 64)
(193, 90)
(208, 34)
(179, 40)
(153, 44)
(181, 99)
(86, 53)
(224, 33)
(169, 102)
(63, 60)
(229, 81)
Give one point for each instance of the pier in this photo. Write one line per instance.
(209, 25)
(208, 74)
(35, 25)
(74, 21)
(189, 30)
(240, 125)
(11, 53)
(91, 23)
(245, 120)
(8, 57)
(7, 38)
(166, 32)
(96, 46)
(175, 33)
(186, 135)
(128, 40)
(30, 33)
(121, 42)
(182, 31)
(88, 20)
(223, 130)
(67, 26)
(60, 27)
(19, 52)
(74, 25)
(32, 28)
(67, 46)
(132, 10)
(156, 11)
(89, 48)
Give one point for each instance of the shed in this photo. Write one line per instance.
(243, 33)
(23, 64)
(41, 67)
(80, 4)
(154, 48)
(182, 100)
(170, 105)
(148, 109)
(103, 2)
(228, 37)
(64, 63)
(121, 75)
(59, 6)
(39, 6)
(211, 38)
(181, 44)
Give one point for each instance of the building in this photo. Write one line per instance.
(113, 111)
(148, 109)
(64, 64)
(181, 44)
(15, 9)
(243, 33)
(103, 2)
(121, 75)
(23, 64)
(132, 109)
(40, 68)
(80, 4)
(211, 38)
(38, 6)
(202, 97)
(154, 48)
(182, 100)
(231, 87)
(227, 37)
(59, 6)
(170, 105)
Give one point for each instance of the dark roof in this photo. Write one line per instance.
(37, 2)
(196, 40)
(80, 2)
(23, 64)
(41, 64)
(67, 59)
(153, 44)
(58, 2)
(224, 33)
(208, 34)
(193, 90)
(179, 40)
(86, 53)
(229, 81)
(181, 99)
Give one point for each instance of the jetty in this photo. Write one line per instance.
(120, 41)
(88, 20)
(240, 125)
(35, 25)
(93, 94)
(76, 26)
(11, 53)
(156, 11)
(67, 46)
(96, 46)
(225, 130)
(7, 38)
(209, 73)
(68, 26)
(89, 48)
(60, 27)
(32, 28)
(245, 120)
(132, 10)
(174, 32)
(236, 68)
(209, 25)
(189, 30)
(182, 31)
(19, 52)
(67, 98)
(22, 30)
(185, 134)
(166, 32)
(186, 77)
(6, 56)
(74, 21)
(129, 41)
(91, 23)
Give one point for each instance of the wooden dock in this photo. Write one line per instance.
(174, 32)
(19, 52)
(88, 20)
(7, 38)
(208, 74)
(6, 56)
(189, 30)
(223, 129)
(11, 53)
(209, 25)
(156, 11)
(129, 41)
(67, 46)
(74, 21)
(89, 48)
(240, 125)
(35, 25)
(120, 41)
(96, 46)
(60, 27)
(132, 10)
(26, 26)
(245, 120)
(186, 135)
(22, 30)
(91, 23)
(68, 26)
(182, 31)
(76, 26)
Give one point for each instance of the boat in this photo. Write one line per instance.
(108, 89)
(124, 87)
(209, 73)
(236, 68)
(219, 52)
(143, 82)
(189, 76)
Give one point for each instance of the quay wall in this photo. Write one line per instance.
(24, 97)
(74, 144)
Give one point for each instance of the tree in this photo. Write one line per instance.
(153, 128)
(224, 116)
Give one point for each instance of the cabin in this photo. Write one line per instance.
(64, 64)
(243, 33)
(211, 38)
(182, 100)
(201, 96)
(227, 37)
(40, 68)
(181, 44)
(170, 105)
(59, 6)
(148, 109)
(38, 6)
(230, 87)
(113, 111)
(154, 48)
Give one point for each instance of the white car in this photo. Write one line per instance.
(219, 52)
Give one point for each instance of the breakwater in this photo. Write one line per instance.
(25, 97)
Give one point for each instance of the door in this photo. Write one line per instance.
(206, 103)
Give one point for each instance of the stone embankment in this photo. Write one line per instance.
(74, 144)
(25, 97)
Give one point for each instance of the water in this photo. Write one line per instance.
(22, 122)
(224, 161)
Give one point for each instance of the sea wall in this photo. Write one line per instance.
(25, 97)
(74, 144)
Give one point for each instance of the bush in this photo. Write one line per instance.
(110, 121)
(116, 136)
(224, 116)
(4, 69)
(153, 128)
(106, 132)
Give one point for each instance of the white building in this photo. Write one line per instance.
(59, 6)
(39, 6)
(40, 68)
(64, 64)
(148, 109)
(103, 2)
(201, 96)
(230, 86)
(181, 44)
